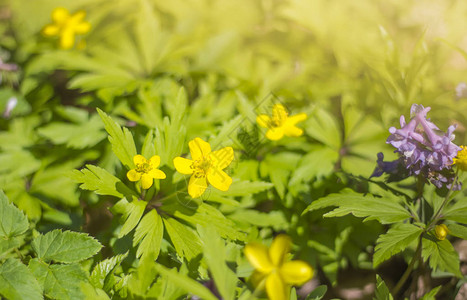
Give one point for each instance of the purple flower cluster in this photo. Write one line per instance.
(423, 149)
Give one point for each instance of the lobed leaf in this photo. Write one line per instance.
(17, 282)
(103, 271)
(131, 211)
(186, 242)
(441, 254)
(12, 221)
(149, 234)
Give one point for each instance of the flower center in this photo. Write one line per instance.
(278, 120)
(143, 168)
(200, 167)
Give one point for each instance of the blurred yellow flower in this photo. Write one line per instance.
(272, 268)
(441, 231)
(280, 124)
(66, 26)
(206, 167)
(146, 170)
(461, 159)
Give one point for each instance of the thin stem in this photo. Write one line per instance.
(407, 272)
(445, 201)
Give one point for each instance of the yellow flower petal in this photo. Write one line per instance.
(219, 179)
(296, 118)
(197, 186)
(199, 148)
(279, 249)
(139, 159)
(222, 158)
(296, 272)
(146, 181)
(292, 130)
(67, 39)
(275, 133)
(82, 27)
(257, 255)
(275, 288)
(263, 121)
(133, 175)
(60, 15)
(279, 113)
(157, 174)
(155, 161)
(50, 30)
(183, 165)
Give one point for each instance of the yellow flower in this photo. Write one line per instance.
(146, 170)
(272, 268)
(66, 26)
(280, 124)
(461, 159)
(441, 231)
(205, 167)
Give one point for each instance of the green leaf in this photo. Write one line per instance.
(102, 274)
(441, 254)
(186, 283)
(148, 150)
(394, 241)
(122, 141)
(318, 293)
(149, 234)
(245, 187)
(184, 239)
(59, 281)
(456, 212)
(65, 247)
(100, 181)
(384, 210)
(324, 127)
(131, 211)
(214, 252)
(431, 295)
(382, 291)
(140, 281)
(12, 221)
(17, 282)
(458, 230)
(7, 245)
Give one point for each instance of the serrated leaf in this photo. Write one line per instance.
(245, 187)
(131, 211)
(382, 291)
(17, 282)
(6, 245)
(149, 235)
(186, 283)
(386, 211)
(65, 247)
(441, 255)
(122, 141)
(12, 221)
(394, 241)
(139, 282)
(214, 253)
(59, 281)
(458, 230)
(102, 272)
(431, 295)
(456, 212)
(96, 179)
(184, 239)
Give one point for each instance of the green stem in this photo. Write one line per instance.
(407, 272)
(435, 217)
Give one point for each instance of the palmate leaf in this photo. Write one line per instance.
(131, 211)
(17, 282)
(59, 281)
(65, 247)
(186, 242)
(441, 254)
(149, 234)
(122, 141)
(394, 241)
(102, 274)
(386, 211)
(12, 221)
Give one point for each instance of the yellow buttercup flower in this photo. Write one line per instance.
(66, 26)
(441, 231)
(272, 268)
(146, 170)
(461, 159)
(280, 123)
(205, 167)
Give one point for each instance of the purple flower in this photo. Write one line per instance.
(423, 148)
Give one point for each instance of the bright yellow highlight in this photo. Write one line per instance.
(66, 26)
(272, 267)
(146, 170)
(461, 159)
(441, 231)
(280, 124)
(206, 167)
